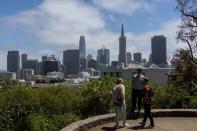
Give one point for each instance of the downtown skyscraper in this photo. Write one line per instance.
(103, 56)
(158, 50)
(71, 62)
(82, 47)
(82, 53)
(13, 62)
(122, 57)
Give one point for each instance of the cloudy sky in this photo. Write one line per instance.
(46, 27)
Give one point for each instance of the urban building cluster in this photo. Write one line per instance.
(77, 64)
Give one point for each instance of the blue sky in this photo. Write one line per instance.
(39, 27)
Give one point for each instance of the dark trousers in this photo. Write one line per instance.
(147, 114)
(136, 98)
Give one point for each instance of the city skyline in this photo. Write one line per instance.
(21, 26)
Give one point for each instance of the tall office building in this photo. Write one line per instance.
(32, 64)
(137, 57)
(122, 58)
(103, 56)
(92, 63)
(129, 58)
(82, 53)
(49, 64)
(158, 50)
(23, 60)
(71, 62)
(89, 57)
(45, 57)
(114, 64)
(13, 63)
(82, 47)
(27, 74)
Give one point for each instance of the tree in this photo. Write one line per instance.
(188, 28)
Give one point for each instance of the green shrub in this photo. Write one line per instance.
(48, 108)
(39, 122)
(16, 104)
(97, 96)
(34, 122)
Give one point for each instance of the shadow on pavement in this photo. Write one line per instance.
(110, 128)
(138, 127)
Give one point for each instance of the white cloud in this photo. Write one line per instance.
(128, 7)
(61, 22)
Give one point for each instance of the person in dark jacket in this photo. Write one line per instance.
(147, 101)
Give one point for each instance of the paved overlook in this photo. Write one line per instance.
(165, 120)
(161, 124)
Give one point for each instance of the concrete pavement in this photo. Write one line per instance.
(161, 124)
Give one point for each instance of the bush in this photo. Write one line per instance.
(97, 96)
(48, 108)
(34, 122)
(16, 104)
(39, 122)
(171, 97)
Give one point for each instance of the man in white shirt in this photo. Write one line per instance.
(137, 90)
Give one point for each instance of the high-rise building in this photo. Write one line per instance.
(114, 64)
(158, 50)
(82, 53)
(32, 64)
(13, 62)
(137, 57)
(144, 62)
(82, 47)
(89, 57)
(45, 57)
(27, 74)
(149, 60)
(23, 60)
(92, 63)
(50, 66)
(129, 58)
(122, 58)
(83, 64)
(71, 62)
(103, 56)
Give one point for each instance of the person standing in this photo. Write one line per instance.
(118, 100)
(147, 101)
(137, 90)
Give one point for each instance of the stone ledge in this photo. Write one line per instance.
(103, 119)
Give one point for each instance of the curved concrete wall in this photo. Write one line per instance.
(102, 119)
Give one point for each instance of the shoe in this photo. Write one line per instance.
(150, 126)
(126, 125)
(116, 127)
(142, 123)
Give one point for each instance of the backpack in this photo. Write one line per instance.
(117, 101)
(151, 93)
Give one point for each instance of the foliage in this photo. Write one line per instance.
(188, 28)
(171, 97)
(39, 122)
(7, 84)
(51, 108)
(97, 96)
(18, 103)
(184, 68)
